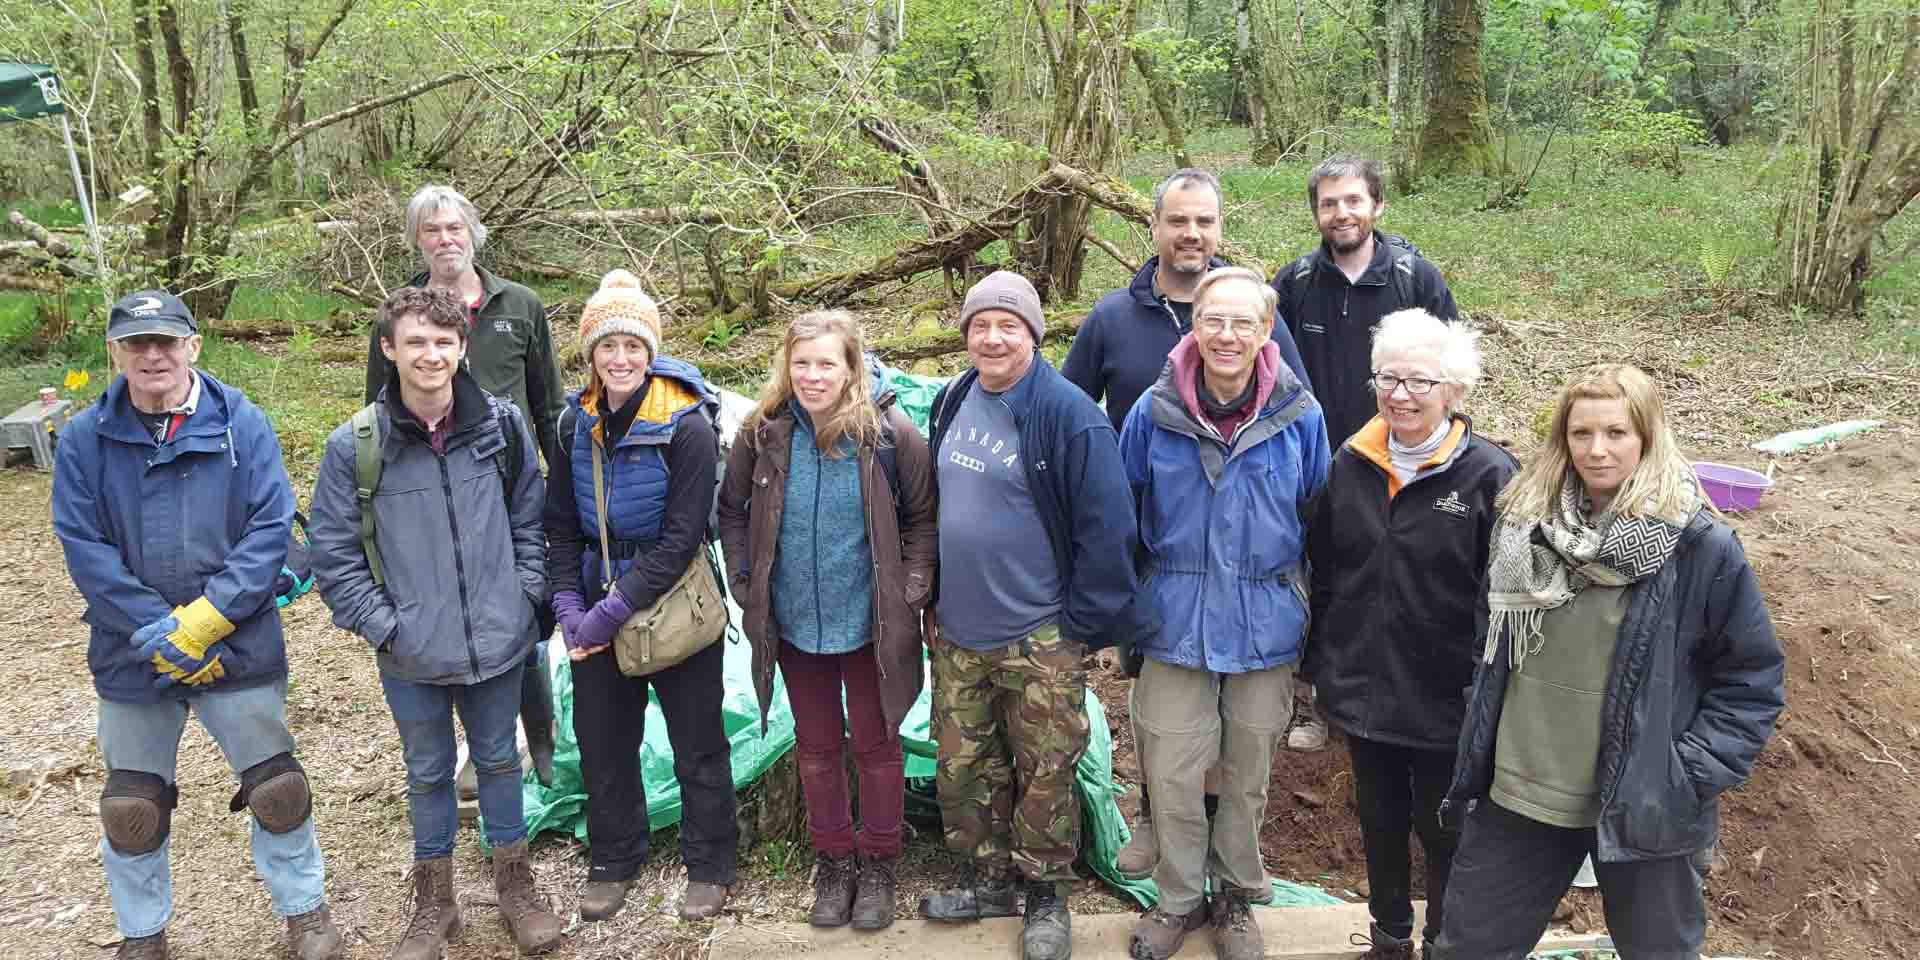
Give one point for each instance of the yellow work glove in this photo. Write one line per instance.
(191, 653)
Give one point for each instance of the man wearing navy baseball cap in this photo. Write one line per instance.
(173, 505)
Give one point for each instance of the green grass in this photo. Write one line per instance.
(47, 212)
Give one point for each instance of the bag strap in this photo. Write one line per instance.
(600, 515)
(366, 469)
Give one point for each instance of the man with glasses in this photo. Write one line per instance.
(1223, 456)
(173, 506)
(1118, 354)
(1331, 300)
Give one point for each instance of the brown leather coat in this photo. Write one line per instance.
(903, 536)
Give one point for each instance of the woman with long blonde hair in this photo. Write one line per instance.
(1629, 676)
(827, 520)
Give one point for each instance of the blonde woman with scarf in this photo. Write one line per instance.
(1629, 676)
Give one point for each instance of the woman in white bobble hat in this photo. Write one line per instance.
(650, 420)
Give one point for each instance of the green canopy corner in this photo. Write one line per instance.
(29, 90)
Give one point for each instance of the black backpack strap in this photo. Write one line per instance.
(1400, 265)
(512, 458)
(1302, 270)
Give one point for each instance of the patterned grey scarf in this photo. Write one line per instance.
(1533, 574)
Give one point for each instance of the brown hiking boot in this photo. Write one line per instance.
(832, 891)
(873, 898)
(152, 947)
(1236, 936)
(313, 935)
(436, 918)
(1137, 859)
(1158, 934)
(1382, 945)
(601, 899)
(703, 901)
(535, 928)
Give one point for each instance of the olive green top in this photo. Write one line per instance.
(1547, 752)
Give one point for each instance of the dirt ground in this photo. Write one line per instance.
(1818, 859)
(1819, 853)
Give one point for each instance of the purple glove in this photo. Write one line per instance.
(568, 608)
(602, 622)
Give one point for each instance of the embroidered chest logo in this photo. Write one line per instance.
(1311, 327)
(503, 326)
(1451, 505)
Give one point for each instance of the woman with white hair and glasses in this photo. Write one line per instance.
(1398, 546)
(1629, 676)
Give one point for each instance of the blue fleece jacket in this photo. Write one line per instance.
(823, 571)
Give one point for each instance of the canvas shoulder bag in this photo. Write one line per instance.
(685, 620)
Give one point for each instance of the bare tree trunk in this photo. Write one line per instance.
(1088, 70)
(1166, 103)
(1456, 137)
(1863, 163)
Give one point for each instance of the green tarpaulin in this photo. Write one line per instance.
(562, 807)
(28, 90)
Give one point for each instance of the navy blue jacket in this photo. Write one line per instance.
(148, 527)
(1333, 325)
(1123, 344)
(1079, 486)
(1697, 681)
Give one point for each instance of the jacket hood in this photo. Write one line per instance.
(1141, 289)
(1184, 364)
(119, 421)
(470, 404)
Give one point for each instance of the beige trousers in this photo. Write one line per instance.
(1187, 721)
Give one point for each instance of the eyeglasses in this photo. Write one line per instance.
(1213, 325)
(1418, 386)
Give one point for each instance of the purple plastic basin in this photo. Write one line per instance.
(1732, 489)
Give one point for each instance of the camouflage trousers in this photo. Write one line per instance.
(1012, 726)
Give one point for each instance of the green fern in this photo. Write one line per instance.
(1716, 261)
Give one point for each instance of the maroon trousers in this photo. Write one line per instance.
(813, 684)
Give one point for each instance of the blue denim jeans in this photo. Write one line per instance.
(489, 711)
(250, 726)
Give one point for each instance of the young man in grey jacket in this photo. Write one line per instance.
(444, 585)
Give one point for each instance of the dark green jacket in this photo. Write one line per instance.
(509, 353)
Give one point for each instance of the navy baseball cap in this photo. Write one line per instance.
(148, 313)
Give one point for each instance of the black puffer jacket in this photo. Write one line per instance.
(1697, 681)
(1398, 588)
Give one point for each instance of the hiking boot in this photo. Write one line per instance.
(536, 716)
(983, 892)
(1308, 733)
(1158, 934)
(873, 897)
(152, 947)
(436, 918)
(535, 927)
(1382, 945)
(832, 891)
(1048, 934)
(704, 901)
(313, 935)
(1235, 934)
(601, 899)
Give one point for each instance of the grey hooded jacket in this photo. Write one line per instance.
(463, 550)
